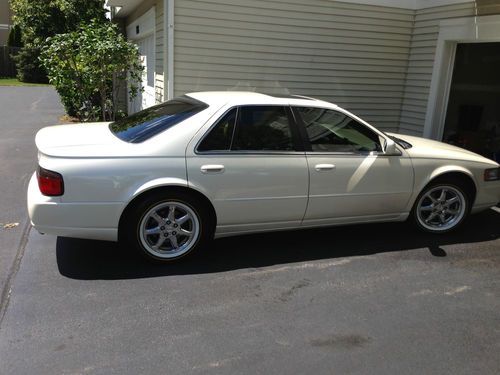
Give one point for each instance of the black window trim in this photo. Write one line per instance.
(297, 140)
(307, 144)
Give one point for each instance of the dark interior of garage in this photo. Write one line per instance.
(473, 114)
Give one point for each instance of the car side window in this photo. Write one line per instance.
(262, 128)
(333, 131)
(221, 135)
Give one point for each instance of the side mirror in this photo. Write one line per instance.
(391, 148)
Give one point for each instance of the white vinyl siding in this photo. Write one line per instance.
(353, 55)
(421, 61)
(159, 52)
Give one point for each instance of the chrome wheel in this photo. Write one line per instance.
(441, 208)
(169, 229)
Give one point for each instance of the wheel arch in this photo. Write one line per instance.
(459, 175)
(152, 188)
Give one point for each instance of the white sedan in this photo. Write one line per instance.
(169, 178)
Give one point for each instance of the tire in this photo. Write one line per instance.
(165, 227)
(441, 207)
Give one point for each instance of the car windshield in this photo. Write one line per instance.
(147, 123)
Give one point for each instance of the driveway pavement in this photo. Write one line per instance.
(373, 299)
(23, 110)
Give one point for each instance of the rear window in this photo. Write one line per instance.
(147, 123)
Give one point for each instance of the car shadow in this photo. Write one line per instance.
(90, 260)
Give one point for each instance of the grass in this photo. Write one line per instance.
(16, 82)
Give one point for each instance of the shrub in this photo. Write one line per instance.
(15, 37)
(86, 65)
(40, 19)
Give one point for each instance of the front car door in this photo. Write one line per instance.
(250, 164)
(351, 179)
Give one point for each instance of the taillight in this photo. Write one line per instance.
(50, 183)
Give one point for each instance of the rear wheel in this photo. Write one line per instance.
(441, 207)
(167, 228)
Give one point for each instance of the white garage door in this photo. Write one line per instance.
(142, 32)
(146, 98)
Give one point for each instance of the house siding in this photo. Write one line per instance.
(5, 21)
(353, 55)
(421, 61)
(159, 45)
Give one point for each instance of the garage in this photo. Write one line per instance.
(142, 33)
(473, 113)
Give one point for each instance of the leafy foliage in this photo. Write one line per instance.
(40, 19)
(28, 67)
(86, 65)
(15, 37)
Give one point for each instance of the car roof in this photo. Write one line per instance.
(250, 97)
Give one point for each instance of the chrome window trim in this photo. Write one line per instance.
(254, 152)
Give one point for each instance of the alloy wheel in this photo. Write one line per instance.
(441, 208)
(169, 229)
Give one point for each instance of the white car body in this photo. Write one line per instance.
(249, 191)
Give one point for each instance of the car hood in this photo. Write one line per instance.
(427, 148)
(84, 140)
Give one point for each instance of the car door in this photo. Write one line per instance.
(351, 179)
(249, 163)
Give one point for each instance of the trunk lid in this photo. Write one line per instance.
(85, 140)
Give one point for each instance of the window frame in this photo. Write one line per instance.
(307, 143)
(297, 141)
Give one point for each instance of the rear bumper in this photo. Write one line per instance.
(97, 221)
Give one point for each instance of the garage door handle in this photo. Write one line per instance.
(212, 168)
(324, 167)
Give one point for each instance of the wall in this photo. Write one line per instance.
(353, 55)
(5, 21)
(421, 61)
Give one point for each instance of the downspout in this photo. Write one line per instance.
(168, 49)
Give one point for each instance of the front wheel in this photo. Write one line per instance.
(167, 228)
(441, 207)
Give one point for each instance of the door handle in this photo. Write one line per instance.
(212, 168)
(324, 167)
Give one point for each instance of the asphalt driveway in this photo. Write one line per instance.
(365, 299)
(23, 111)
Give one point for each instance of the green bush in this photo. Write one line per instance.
(40, 19)
(15, 37)
(29, 68)
(86, 65)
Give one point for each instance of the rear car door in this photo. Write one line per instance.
(250, 164)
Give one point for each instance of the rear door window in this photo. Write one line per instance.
(251, 128)
(221, 135)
